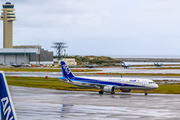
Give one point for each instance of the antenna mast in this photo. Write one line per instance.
(59, 48)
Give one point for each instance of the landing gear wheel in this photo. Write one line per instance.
(113, 92)
(100, 92)
(145, 93)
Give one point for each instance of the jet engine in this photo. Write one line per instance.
(108, 89)
(125, 90)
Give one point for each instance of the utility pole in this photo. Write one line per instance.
(64, 53)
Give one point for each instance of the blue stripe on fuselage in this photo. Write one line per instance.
(100, 82)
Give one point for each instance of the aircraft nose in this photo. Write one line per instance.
(156, 86)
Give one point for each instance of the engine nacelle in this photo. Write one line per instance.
(125, 90)
(108, 89)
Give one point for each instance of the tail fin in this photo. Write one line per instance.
(7, 108)
(84, 64)
(66, 71)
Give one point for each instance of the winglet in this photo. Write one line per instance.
(66, 71)
(7, 108)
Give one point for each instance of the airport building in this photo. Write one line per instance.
(69, 61)
(29, 55)
(18, 56)
(26, 54)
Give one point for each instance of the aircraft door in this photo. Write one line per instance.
(143, 82)
(122, 82)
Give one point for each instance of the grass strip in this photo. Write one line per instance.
(43, 70)
(40, 82)
(164, 88)
(54, 83)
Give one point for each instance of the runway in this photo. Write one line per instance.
(40, 104)
(59, 74)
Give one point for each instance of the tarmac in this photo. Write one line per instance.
(44, 104)
(40, 104)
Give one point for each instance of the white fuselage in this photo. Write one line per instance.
(118, 83)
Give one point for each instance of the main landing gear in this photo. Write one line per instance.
(113, 92)
(145, 93)
(100, 92)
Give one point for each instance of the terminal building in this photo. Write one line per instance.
(26, 54)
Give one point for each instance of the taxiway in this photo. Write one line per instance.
(40, 104)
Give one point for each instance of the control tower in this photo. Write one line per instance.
(8, 16)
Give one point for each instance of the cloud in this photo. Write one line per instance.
(159, 5)
(99, 26)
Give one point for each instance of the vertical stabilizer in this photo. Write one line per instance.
(7, 108)
(66, 71)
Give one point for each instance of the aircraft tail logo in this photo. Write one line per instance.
(66, 71)
(7, 108)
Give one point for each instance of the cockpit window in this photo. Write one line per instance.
(151, 82)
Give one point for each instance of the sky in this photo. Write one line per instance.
(99, 27)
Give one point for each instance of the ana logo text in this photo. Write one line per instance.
(6, 108)
(132, 80)
(67, 70)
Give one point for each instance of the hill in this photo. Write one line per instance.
(100, 60)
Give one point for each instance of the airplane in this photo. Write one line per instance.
(26, 65)
(7, 108)
(90, 66)
(158, 65)
(124, 65)
(15, 65)
(107, 84)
